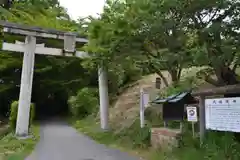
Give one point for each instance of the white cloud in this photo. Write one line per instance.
(82, 8)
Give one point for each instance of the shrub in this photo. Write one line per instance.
(135, 136)
(14, 112)
(84, 103)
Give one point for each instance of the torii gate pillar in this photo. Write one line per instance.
(103, 96)
(26, 87)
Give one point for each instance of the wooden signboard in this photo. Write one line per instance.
(223, 114)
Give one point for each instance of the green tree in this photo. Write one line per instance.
(215, 28)
(143, 32)
(170, 35)
(52, 75)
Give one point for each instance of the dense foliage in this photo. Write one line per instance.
(55, 78)
(51, 73)
(84, 103)
(157, 35)
(130, 38)
(171, 35)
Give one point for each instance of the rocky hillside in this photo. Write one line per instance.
(126, 109)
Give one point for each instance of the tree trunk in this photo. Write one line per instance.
(219, 74)
(156, 70)
(175, 75)
(163, 78)
(227, 76)
(179, 73)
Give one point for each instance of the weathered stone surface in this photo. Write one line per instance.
(164, 138)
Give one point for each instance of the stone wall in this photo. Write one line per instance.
(164, 138)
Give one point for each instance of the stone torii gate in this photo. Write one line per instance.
(46, 42)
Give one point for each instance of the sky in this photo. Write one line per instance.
(82, 8)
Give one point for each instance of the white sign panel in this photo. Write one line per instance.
(223, 114)
(192, 114)
(145, 100)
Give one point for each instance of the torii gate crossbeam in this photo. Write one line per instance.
(34, 35)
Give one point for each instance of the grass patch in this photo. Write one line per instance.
(12, 148)
(5, 129)
(89, 127)
(133, 137)
(217, 146)
(133, 140)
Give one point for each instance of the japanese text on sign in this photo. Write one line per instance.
(223, 114)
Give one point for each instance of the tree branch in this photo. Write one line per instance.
(231, 59)
(235, 67)
(212, 81)
(156, 70)
(226, 13)
(214, 14)
(179, 72)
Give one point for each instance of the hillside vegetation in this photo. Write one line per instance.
(126, 134)
(125, 111)
(171, 39)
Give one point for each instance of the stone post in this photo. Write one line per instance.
(26, 87)
(103, 95)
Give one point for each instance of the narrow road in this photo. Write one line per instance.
(60, 141)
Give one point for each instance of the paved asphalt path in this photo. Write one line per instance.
(59, 141)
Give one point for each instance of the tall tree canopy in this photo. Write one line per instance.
(57, 77)
(131, 38)
(52, 75)
(170, 35)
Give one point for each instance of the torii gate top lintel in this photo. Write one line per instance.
(65, 46)
(14, 28)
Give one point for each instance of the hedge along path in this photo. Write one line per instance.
(11, 147)
(14, 112)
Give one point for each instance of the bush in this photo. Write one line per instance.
(135, 136)
(121, 75)
(84, 103)
(14, 112)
